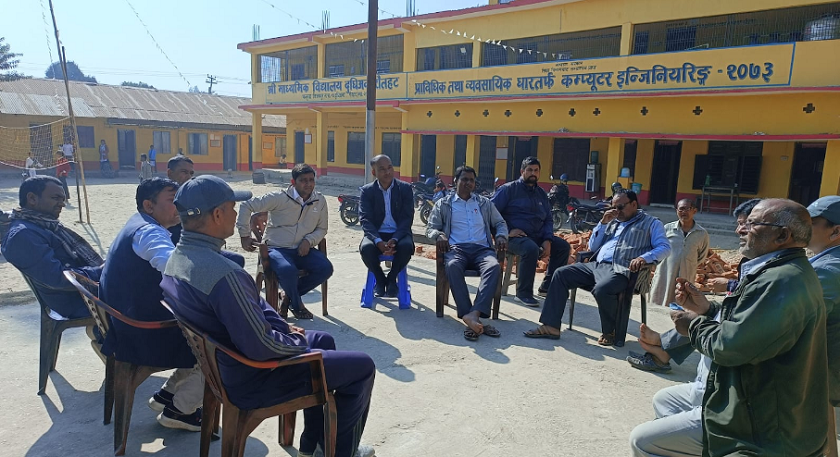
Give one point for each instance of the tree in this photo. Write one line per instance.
(195, 89)
(140, 84)
(74, 73)
(8, 62)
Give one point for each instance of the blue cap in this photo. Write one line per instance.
(202, 194)
(826, 207)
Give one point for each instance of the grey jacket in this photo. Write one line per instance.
(289, 222)
(440, 221)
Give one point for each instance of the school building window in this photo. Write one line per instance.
(445, 57)
(330, 146)
(561, 46)
(280, 146)
(350, 58)
(730, 164)
(162, 142)
(197, 144)
(356, 147)
(570, 156)
(391, 147)
(86, 138)
(290, 65)
(630, 156)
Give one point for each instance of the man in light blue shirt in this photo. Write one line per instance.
(462, 223)
(624, 241)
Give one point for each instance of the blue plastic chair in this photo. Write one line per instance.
(404, 296)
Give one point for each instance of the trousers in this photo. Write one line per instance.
(187, 387)
(600, 278)
(468, 256)
(677, 430)
(370, 256)
(529, 253)
(286, 262)
(676, 345)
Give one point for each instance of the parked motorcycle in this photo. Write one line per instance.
(585, 215)
(558, 198)
(426, 185)
(349, 208)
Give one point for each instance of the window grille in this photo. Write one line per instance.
(561, 46)
(351, 57)
(570, 156)
(290, 65)
(445, 57)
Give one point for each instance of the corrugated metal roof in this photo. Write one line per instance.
(47, 97)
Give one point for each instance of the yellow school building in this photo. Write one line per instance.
(209, 129)
(739, 97)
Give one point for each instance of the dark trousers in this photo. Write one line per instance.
(370, 256)
(468, 256)
(676, 345)
(605, 284)
(286, 262)
(350, 375)
(236, 258)
(63, 180)
(529, 253)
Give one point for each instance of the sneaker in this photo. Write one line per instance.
(542, 292)
(392, 290)
(379, 289)
(528, 301)
(160, 400)
(648, 363)
(172, 418)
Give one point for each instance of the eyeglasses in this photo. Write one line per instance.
(748, 225)
(621, 206)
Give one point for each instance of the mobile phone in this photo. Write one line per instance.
(675, 307)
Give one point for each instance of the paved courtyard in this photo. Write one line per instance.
(436, 394)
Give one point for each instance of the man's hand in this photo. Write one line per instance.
(609, 216)
(296, 329)
(516, 233)
(443, 243)
(382, 247)
(637, 264)
(392, 247)
(501, 243)
(681, 320)
(304, 247)
(546, 250)
(249, 244)
(690, 298)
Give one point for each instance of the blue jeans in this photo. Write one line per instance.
(285, 262)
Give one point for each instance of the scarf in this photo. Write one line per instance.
(74, 244)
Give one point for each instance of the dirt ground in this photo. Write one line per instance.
(436, 393)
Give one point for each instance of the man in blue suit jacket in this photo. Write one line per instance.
(386, 214)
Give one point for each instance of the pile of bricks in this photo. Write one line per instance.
(712, 268)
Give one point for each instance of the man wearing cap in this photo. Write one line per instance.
(297, 222)
(221, 299)
(825, 239)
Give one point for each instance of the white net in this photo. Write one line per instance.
(37, 146)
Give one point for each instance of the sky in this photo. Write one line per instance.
(106, 39)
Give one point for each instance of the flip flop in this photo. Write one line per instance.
(539, 334)
(491, 331)
(470, 335)
(607, 340)
(302, 313)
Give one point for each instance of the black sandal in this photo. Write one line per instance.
(302, 313)
(491, 331)
(470, 335)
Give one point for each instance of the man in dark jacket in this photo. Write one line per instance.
(386, 213)
(221, 299)
(767, 386)
(131, 285)
(527, 212)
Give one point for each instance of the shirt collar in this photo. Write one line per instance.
(758, 262)
(814, 258)
(382, 188)
(456, 198)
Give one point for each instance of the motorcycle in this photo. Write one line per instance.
(558, 199)
(426, 185)
(349, 209)
(585, 216)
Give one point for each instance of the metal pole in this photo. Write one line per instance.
(370, 116)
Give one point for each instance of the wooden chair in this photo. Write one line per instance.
(237, 424)
(51, 330)
(442, 284)
(511, 262)
(639, 283)
(267, 276)
(121, 378)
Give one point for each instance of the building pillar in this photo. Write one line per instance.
(409, 52)
(321, 143)
(408, 153)
(320, 72)
(256, 137)
(473, 150)
(615, 160)
(626, 47)
(476, 55)
(831, 170)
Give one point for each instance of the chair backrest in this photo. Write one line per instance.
(100, 305)
(85, 285)
(44, 308)
(258, 223)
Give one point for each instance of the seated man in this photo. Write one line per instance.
(624, 241)
(42, 248)
(131, 285)
(297, 222)
(386, 213)
(527, 212)
(463, 223)
(220, 298)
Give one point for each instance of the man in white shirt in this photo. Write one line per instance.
(32, 165)
(68, 151)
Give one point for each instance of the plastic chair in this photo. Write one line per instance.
(121, 378)
(404, 295)
(442, 284)
(237, 423)
(638, 283)
(51, 330)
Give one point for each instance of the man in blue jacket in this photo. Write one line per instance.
(220, 298)
(131, 285)
(527, 212)
(386, 213)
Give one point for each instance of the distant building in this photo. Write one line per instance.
(210, 129)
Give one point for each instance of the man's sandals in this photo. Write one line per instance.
(541, 332)
(489, 330)
(607, 339)
(301, 314)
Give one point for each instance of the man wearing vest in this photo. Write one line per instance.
(297, 222)
(131, 285)
(524, 205)
(624, 241)
(386, 213)
(221, 299)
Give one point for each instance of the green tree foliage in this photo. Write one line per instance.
(8, 62)
(74, 73)
(140, 84)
